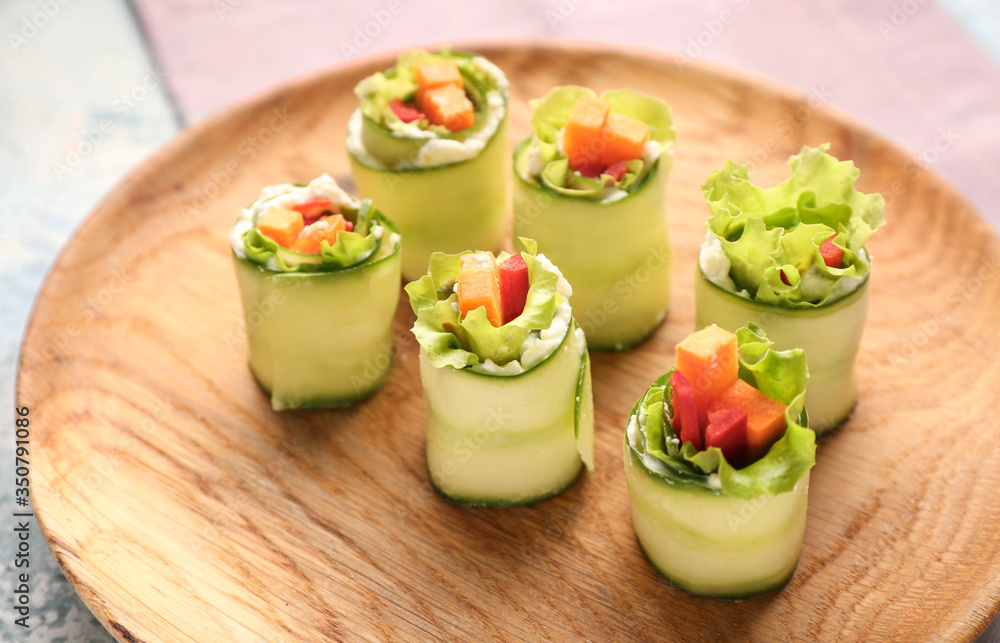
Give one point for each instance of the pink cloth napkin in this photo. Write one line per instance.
(904, 67)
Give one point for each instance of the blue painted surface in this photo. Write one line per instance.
(84, 66)
(981, 18)
(63, 76)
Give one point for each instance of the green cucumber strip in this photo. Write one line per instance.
(583, 426)
(829, 334)
(617, 255)
(505, 440)
(714, 545)
(448, 208)
(306, 348)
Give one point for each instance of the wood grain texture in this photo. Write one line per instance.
(183, 508)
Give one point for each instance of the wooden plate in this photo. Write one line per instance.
(182, 508)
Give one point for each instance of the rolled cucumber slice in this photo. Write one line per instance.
(321, 339)
(617, 255)
(830, 334)
(393, 149)
(714, 545)
(446, 208)
(510, 440)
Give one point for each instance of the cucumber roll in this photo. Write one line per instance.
(717, 459)
(792, 259)
(506, 378)
(318, 273)
(428, 144)
(589, 188)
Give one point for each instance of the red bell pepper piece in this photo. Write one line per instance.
(833, 256)
(616, 170)
(727, 429)
(406, 113)
(685, 414)
(513, 286)
(313, 209)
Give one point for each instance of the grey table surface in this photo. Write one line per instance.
(84, 99)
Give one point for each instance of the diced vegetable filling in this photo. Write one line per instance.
(447, 106)
(313, 209)
(727, 429)
(714, 408)
(709, 360)
(479, 286)
(833, 256)
(765, 417)
(596, 139)
(312, 236)
(501, 289)
(686, 422)
(437, 73)
(303, 228)
(624, 137)
(440, 97)
(582, 135)
(406, 113)
(283, 226)
(514, 285)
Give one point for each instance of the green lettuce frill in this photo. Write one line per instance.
(351, 248)
(767, 232)
(452, 341)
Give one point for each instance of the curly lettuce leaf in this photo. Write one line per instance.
(781, 375)
(549, 116)
(452, 341)
(769, 231)
(350, 249)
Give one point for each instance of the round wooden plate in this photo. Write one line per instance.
(182, 508)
